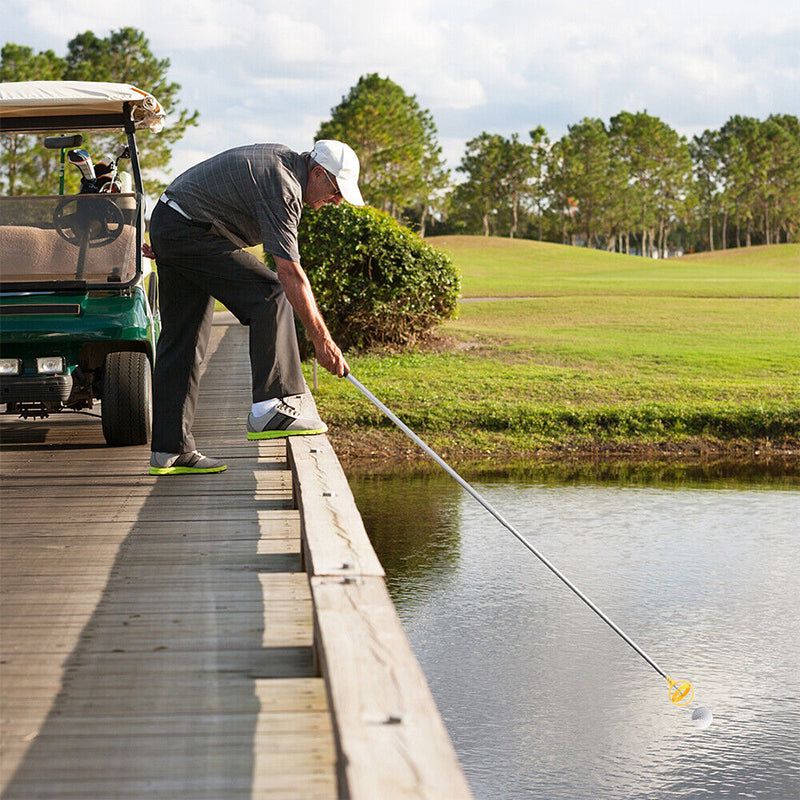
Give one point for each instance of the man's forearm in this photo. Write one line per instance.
(299, 293)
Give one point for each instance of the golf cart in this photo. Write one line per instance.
(78, 311)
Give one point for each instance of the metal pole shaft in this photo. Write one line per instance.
(499, 517)
(61, 172)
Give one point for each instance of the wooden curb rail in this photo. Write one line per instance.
(390, 738)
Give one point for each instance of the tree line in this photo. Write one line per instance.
(632, 184)
(636, 185)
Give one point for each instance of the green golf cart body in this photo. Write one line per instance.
(78, 307)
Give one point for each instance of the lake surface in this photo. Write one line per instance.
(541, 698)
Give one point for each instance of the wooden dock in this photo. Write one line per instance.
(223, 636)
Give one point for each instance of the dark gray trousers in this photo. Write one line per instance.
(195, 266)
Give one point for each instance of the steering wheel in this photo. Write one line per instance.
(92, 222)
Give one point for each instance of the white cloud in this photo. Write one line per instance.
(53, 19)
(289, 40)
(256, 72)
(452, 92)
(170, 25)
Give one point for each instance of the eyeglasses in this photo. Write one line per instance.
(332, 183)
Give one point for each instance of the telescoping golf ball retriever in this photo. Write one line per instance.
(680, 692)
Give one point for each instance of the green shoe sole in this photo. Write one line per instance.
(185, 470)
(283, 434)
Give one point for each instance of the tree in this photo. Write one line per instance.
(401, 161)
(759, 177)
(22, 64)
(124, 56)
(637, 177)
(783, 178)
(22, 161)
(745, 162)
(483, 192)
(705, 155)
(499, 174)
(674, 188)
(579, 179)
(518, 167)
(540, 147)
(657, 162)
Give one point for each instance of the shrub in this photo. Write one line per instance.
(375, 282)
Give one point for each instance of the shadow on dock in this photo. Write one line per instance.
(163, 692)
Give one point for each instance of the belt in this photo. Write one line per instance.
(175, 207)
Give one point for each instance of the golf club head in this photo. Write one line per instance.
(105, 167)
(83, 161)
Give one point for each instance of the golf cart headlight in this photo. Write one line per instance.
(10, 366)
(50, 365)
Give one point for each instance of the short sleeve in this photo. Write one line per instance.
(279, 221)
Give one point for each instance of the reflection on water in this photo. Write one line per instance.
(541, 698)
(426, 514)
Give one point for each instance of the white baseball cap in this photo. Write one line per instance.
(342, 162)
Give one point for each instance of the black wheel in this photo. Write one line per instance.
(127, 402)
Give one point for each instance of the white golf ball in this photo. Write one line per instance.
(702, 718)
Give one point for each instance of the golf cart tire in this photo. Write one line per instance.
(127, 404)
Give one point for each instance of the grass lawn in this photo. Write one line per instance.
(599, 352)
(495, 267)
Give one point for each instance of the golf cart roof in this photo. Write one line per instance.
(77, 105)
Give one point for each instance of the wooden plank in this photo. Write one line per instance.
(392, 741)
(125, 767)
(269, 525)
(162, 548)
(77, 488)
(334, 539)
(137, 511)
(276, 695)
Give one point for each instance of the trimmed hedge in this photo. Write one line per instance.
(376, 282)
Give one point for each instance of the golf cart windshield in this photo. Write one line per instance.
(86, 238)
(92, 237)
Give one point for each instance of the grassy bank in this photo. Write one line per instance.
(590, 352)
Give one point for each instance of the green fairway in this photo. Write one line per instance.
(734, 343)
(495, 267)
(597, 350)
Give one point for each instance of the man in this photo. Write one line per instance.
(237, 199)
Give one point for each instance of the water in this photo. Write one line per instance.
(541, 698)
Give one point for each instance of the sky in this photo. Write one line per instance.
(268, 71)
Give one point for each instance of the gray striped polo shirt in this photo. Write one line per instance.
(252, 194)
